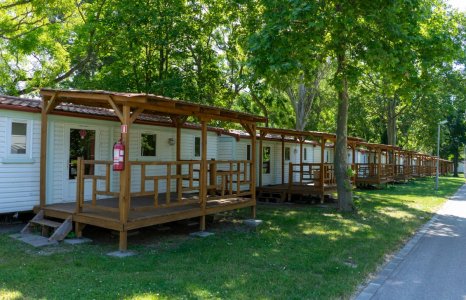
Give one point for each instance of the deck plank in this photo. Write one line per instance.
(141, 218)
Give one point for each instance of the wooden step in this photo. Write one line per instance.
(61, 230)
(46, 222)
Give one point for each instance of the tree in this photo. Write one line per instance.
(41, 45)
(456, 137)
(382, 36)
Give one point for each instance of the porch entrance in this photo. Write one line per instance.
(81, 142)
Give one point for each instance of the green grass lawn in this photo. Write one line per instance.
(299, 252)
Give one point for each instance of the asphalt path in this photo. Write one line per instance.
(433, 264)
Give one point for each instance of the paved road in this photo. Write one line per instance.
(433, 264)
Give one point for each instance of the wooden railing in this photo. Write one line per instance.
(229, 178)
(312, 173)
(169, 183)
(416, 170)
(387, 171)
(184, 175)
(372, 171)
(101, 174)
(402, 170)
(365, 170)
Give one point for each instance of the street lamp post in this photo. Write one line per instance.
(438, 152)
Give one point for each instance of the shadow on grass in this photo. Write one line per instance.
(299, 252)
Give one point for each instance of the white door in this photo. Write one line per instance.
(80, 142)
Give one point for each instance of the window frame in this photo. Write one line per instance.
(18, 157)
(140, 144)
(197, 138)
(266, 165)
(287, 154)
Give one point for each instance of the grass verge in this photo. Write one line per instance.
(300, 252)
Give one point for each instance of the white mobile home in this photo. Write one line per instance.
(73, 131)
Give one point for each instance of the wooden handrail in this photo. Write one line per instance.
(312, 172)
(233, 174)
(81, 178)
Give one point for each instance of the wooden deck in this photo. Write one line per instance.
(141, 218)
(283, 192)
(373, 174)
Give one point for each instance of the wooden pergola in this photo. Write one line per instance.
(127, 108)
(314, 178)
(376, 172)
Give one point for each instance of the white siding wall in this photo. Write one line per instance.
(226, 148)
(19, 182)
(164, 152)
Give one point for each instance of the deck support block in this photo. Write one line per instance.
(202, 223)
(123, 244)
(78, 229)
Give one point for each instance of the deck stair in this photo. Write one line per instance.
(60, 229)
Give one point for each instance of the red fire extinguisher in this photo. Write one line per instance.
(118, 156)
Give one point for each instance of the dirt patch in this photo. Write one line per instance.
(11, 227)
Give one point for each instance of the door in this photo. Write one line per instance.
(267, 165)
(81, 142)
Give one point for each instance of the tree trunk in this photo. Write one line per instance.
(345, 194)
(262, 106)
(391, 122)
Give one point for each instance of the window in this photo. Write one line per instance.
(305, 153)
(266, 160)
(326, 156)
(82, 144)
(248, 152)
(18, 144)
(197, 146)
(18, 141)
(287, 153)
(148, 144)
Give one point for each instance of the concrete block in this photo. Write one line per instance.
(252, 222)
(77, 241)
(202, 234)
(34, 240)
(121, 254)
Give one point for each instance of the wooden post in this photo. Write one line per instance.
(125, 179)
(253, 169)
(301, 170)
(409, 163)
(354, 161)
(178, 155)
(43, 153)
(78, 185)
(283, 159)
(213, 177)
(322, 174)
(260, 159)
(379, 163)
(203, 173)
